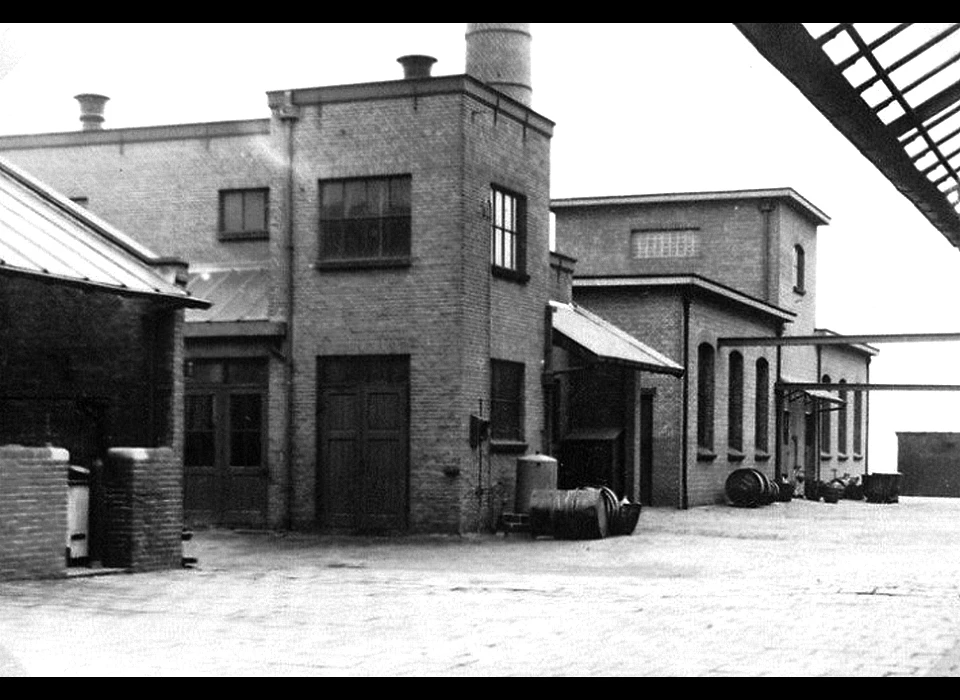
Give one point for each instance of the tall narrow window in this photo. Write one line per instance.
(506, 400)
(243, 214)
(799, 269)
(858, 422)
(825, 427)
(705, 396)
(842, 420)
(761, 413)
(735, 402)
(508, 233)
(365, 220)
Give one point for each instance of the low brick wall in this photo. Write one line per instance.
(143, 492)
(33, 512)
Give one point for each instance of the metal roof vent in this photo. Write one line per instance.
(416, 66)
(91, 110)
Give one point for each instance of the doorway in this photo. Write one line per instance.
(362, 442)
(225, 465)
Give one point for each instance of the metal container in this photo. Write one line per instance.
(578, 514)
(78, 515)
(533, 472)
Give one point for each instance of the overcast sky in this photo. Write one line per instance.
(639, 108)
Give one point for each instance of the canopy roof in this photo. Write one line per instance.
(607, 342)
(892, 89)
(45, 235)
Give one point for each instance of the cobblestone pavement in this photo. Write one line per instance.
(791, 589)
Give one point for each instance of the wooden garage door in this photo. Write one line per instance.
(363, 452)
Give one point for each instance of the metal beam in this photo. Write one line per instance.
(854, 386)
(837, 339)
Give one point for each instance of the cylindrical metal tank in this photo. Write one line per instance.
(577, 514)
(498, 54)
(533, 472)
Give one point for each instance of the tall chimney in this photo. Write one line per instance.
(416, 66)
(91, 110)
(498, 54)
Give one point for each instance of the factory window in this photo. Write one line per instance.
(243, 214)
(735, 403)
(648, 243)
(799, 269)
(705, 397)
(842, 421)
(761, 413)
(365, 221)
(857, 422)
(508, 237)
(825, 424)
(506, 400)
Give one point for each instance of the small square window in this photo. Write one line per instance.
(243, 214)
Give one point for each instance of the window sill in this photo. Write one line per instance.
(858, 458)
(825, 456)
(799, 290)
(705, 455)
(243, 236)
(363, 263)
(508, 446)
(843, 457)
(508, 274)
(735, 455)
(761, 456)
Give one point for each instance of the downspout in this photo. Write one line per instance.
(289, 113)
(766, 207)
(684, 500)
(778, 405)
(819, 408)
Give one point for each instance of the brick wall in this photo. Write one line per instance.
(33, 511)
(843, 364)
(143, 509)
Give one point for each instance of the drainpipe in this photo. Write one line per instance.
(766, 207)
(866, 430)
(778, 405)
(289, 113)
(684, 500)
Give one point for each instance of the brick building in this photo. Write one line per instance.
(90, 348)
(379, 263)
(702, 277)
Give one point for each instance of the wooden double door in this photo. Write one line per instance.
(362, 442)
(225, 464)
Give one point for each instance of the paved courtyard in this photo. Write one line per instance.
(791, 589)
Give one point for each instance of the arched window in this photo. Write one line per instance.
(825, 428)
(735, 402)
(761, 411)
(842, 421)
(705, 396)
(799, 268)
(858, 422)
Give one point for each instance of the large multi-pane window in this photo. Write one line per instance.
(365, 219)
(506, 400)
(509, 231)
(735, 402)
(825, 424)
(761, 413)
(842, 420)
(857, 422)
(705, 396)
(243, 214)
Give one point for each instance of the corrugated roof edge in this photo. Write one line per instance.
(115, 236)
(787, 193)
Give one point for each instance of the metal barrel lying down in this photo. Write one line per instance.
(577, 514)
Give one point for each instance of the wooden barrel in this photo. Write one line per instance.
(786, 490)
(746, 488)
(577, 514)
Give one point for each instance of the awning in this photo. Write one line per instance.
(822, 394)
(240, 299)
(603, 340)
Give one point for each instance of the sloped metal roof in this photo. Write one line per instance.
(608, 342)
(45, 235)
(892, 89)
